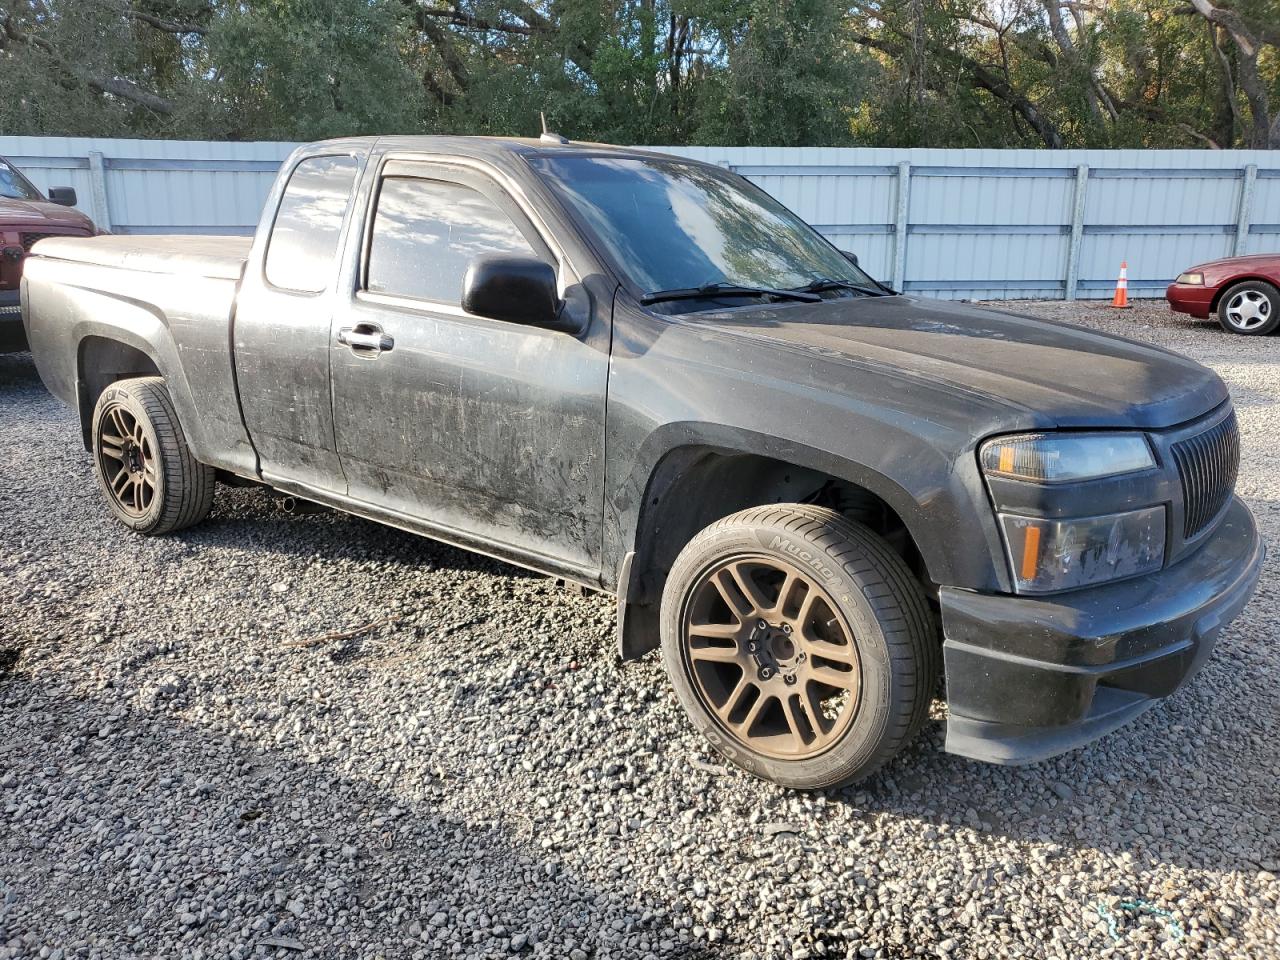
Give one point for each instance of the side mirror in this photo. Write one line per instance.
(513, 289)
(851, 257)
(64, 196)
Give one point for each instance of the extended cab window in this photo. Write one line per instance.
(304, 239)
(426, 232)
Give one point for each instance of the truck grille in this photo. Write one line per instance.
(1207, 465)
(29, 239)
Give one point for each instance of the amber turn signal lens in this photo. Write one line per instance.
(1048, 555)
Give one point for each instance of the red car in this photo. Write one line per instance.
(1243, 292)
(26, 216)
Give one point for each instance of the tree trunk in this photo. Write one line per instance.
(1249, 44)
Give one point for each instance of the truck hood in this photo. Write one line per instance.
(39, 213)
(1057, 374)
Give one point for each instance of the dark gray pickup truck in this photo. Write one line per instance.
(639, 373)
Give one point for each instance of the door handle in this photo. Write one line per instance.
(365, 338)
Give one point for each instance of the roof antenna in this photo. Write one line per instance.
(547, 135)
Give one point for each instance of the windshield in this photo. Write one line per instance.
(670, 225)
(14, 186)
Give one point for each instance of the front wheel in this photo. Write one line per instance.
(146, 471)
(1251, 307)
(800, 644)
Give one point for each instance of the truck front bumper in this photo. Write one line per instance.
(1032, 677)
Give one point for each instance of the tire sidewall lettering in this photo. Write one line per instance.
(807, 556)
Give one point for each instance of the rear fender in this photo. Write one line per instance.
(139, 326)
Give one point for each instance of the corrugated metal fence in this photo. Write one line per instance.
(947, 223)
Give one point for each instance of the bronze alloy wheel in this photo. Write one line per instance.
(771, 657)
(152, 482)
(800, 644)
(127, 462)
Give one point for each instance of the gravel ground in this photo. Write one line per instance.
(196, 762)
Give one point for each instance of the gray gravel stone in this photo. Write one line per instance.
(473, 775)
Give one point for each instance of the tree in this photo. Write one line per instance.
(1049, 73)
(1253, 28)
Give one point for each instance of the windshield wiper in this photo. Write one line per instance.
(826, 283)
(727, 290)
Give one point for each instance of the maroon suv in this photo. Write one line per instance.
(25, 217)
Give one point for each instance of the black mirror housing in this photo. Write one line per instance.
(63, 196)
(513, 289)
(851, 257)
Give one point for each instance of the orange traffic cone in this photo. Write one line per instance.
(1121, 300)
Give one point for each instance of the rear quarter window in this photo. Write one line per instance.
(308, 225)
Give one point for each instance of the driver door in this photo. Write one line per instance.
(490, 433)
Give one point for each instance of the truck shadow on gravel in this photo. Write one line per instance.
(248, 517)
(18, 371)
(127, 825)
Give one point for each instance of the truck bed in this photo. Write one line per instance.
(158, 296)
(215, 257)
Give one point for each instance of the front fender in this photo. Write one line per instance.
(945, 510)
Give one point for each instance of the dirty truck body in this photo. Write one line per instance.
(818, 497)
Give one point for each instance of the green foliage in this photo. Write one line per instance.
(947, 73)
(792, 78)
(306, 69)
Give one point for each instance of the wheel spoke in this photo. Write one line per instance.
(727, 585)
(121, 475)
(806, 609)
(824, 649)
(112, 447)
(749, 589)
(753, 714)
(122, 420)
(813, 706)
(714, 654)
(796, 720)
(715, 631)
(734, 698)
(784, 592)
(840, 679)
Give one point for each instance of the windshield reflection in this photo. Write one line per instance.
(669, 224)
(14, 186)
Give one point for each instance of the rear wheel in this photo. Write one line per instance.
(800, 644)
(1251, 307)
(141, 459)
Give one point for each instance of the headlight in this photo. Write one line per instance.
(1048, 555)
(1194, 277)
(1060, 458)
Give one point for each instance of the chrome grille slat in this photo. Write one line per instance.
(1208, 464)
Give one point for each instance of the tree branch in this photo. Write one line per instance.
(983, 79)
(117, 87)
(166, 26)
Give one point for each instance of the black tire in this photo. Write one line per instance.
(863, 580)
(139, 446)
(1250, 308)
